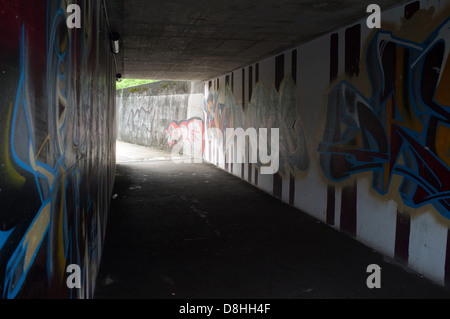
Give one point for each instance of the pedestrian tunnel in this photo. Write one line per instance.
(287, 150)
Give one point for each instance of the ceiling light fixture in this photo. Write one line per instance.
(115, 42)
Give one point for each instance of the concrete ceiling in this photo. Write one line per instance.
(203, 39)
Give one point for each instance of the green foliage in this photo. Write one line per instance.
(126, 83)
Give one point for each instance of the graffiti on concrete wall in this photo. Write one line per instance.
(145, 112)
(56, 151)
(266, 109)
(403, 128)
(142, 119)
(186, 134)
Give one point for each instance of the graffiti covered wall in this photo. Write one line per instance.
(364, 131)
(161, 114)
(57, 146)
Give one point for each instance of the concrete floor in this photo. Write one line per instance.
(192, 231)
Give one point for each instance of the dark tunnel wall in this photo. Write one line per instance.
(57, 146)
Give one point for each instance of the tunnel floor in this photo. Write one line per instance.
(193, 231)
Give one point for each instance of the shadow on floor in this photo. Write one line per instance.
(193, 231)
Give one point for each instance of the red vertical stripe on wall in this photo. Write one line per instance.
(277, 185)
(250, 82)
(279, 76)
(334, 56)
(352, 50)
(257, 73)
(334, 69)
(402, 232)
(232, 82)
(279, 71)
(348, 209)
(226, 160)
(292, 190)
(349, 193)
(331, 205)
(249, 165)
(243, 89)
(447, 262)
(232, 160)
(294, 66)
(291, 176)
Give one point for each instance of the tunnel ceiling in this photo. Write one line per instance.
(203, 39)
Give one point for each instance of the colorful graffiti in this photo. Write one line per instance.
(188, 134)
(222, 113)
(267, 109)
(403, 128)
(279, 110)
(57, 150)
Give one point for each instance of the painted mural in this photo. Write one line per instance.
(266, 109)
(56, 149)
(403, 127)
